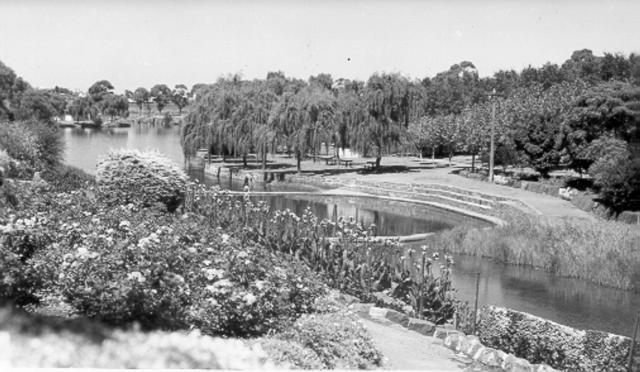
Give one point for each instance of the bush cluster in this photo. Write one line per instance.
(542, 341)
(31, 147)
(130, 264)
(145, 177)
(326, 341)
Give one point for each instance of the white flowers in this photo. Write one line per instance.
(225, 238)
(249, 299)
(137, 276)
(211, 274)
(124, 224)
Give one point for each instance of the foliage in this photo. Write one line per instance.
(542, 341)
(601, 252)
(100, 90)
(180, 97)
(327, 341)
(343, 252)
(145, 177)
(65, 178)
(34, 146)
(161, 95)
(141, 96)
(39, 104)
(128, 264)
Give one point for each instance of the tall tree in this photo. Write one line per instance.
(141, 97)
(180, 96)
(161, 95)
(388, 102)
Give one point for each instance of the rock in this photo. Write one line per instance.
(453, 341)
(424, 327)
(377, 312)
(469, 345)
(397, 317)
(359, 308)
(442, 332)
(514, 364)
(346, 299)
(490, 357)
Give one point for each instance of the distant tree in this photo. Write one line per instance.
(538, 129)
(40, 104)
(180, 96)
(117, 105)
(82, 108)
(609, 109)
(324, 81)
(615, 172)
(100, 90)
(614, 67)
(161, 95)
(141, 97)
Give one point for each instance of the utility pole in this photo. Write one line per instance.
(492, 146)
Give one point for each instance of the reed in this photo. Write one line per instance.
(603, 252)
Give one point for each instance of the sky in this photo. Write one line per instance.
(142, 43)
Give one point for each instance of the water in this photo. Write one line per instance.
(566, 301)
(85, 146)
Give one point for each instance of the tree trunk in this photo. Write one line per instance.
(244, 159)
(264, 157)
(298, 156)
(473, 163)
(433, 156)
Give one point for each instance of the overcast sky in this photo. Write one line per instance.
(141, 43)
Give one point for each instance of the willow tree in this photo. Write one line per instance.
(351, 113)
(305, 119)
(387, 98)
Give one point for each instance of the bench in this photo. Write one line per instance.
(346, 162)
(370, 165)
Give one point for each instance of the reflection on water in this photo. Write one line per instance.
(84, 146)
(567, 301)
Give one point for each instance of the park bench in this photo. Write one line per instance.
(370, 165)
(346, 162)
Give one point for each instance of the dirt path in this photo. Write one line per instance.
(409, 350)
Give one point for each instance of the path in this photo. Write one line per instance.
(409, 350)
(545, 204)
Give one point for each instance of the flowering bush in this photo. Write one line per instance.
(128, 264)
(21, 145)
(343, 252)
(325, 341)
(132, 176)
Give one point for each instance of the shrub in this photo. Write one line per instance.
(20, 240)
(66, 178)
(129, 264)
(50, 143)
(326, 341)
(22, 145)
(542, 341)
(148, 178)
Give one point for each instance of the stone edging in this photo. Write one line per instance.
(455, 340)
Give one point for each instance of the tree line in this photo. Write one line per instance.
(568, 115)
(20, 101)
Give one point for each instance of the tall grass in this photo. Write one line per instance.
(606, 253)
